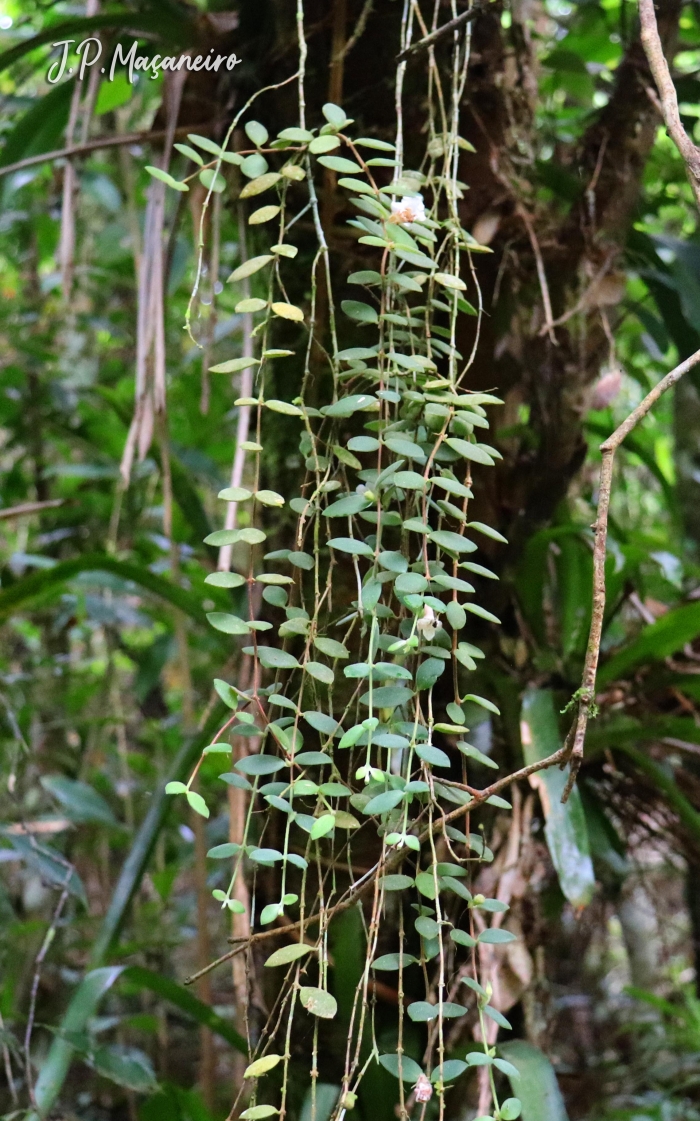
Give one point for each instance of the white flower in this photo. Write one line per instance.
(409, 209)
(428, 624)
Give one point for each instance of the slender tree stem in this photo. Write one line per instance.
(585, 695)
(668, 98)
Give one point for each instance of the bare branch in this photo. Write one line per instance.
(26, 508)
(541, 274)
(7, 1063)
(359, 29)
(38, 963)
(366, 882)
(651, 41)
(103, 142)
(585, 695)
(453, 25)
(583, 302)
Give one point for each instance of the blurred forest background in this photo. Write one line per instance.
(106, 659)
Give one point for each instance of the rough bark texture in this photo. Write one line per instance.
(546, 382)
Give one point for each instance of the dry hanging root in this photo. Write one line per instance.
(150, 390)
(343, 706)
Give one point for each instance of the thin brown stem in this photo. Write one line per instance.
(440, 32)
(541, 274)
(38, 963)
(583, 302)
(653, 48)
(366, 882)
(585, 695)
(101, 142)
(26, 508)
(359, 27)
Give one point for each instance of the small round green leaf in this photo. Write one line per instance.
(287, 954)
(401, 1066)
(197, 803)
(263, 214)
(318, 1002)
(175, 788)
(322, 826)
(158, 173)
(511, 1109)
(257, 133)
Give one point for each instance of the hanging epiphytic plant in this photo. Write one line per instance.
(341, 704)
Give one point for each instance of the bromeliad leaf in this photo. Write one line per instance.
(80, 802)
(566, 829)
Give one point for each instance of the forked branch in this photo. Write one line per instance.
(690, 154)
(668, 98)
(389, 863)
(585, 696)
(454, 25)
